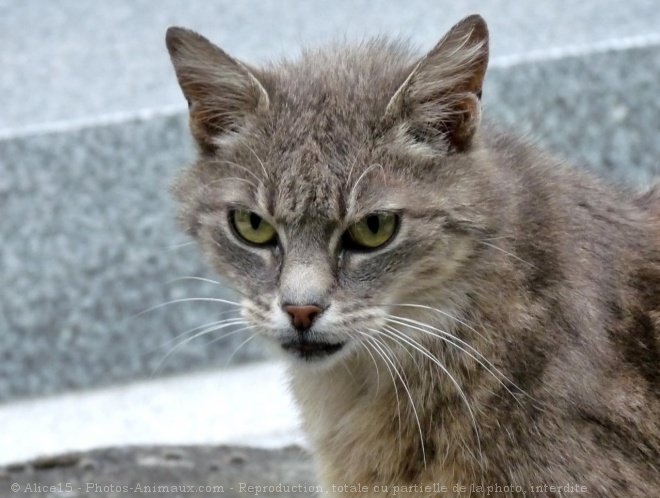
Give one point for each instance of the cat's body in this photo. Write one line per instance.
(461, 309)
(573, 323)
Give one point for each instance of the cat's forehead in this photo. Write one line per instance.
(316, 140)
(308, 186)
(333, 193)
(324, 113)
(334, 98)
(311, 179)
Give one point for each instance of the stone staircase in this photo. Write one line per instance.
(93, 129)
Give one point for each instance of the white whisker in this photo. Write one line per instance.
(244, 169)
(379, 351)
(199, 334)
(174, 247)
(449, 338)
(412, 357)
(233, 179)
(376, 165)
(261, 163)
(350, 171)
(366, 347)
(402, 337)
(441, 312)
(230, 321)
(200, 279)
(240, 345)
(507, 253)
(414, 409)
(185, 300)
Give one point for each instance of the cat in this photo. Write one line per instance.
(463, 314)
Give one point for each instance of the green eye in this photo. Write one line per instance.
(373, 231)
(253, 227)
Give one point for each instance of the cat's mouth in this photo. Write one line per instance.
(311, 350)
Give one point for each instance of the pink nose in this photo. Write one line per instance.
(302, 317)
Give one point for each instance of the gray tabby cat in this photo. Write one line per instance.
(464, 315)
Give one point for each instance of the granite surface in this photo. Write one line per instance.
(92, 131)
(89, 246)
(165, 472)
(596, 111)
(64, 61)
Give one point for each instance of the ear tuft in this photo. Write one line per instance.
(174, 37)
(221, 92)
(440, 99)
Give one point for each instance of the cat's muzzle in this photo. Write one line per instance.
(308, 350)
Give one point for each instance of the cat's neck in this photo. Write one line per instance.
(386, 400)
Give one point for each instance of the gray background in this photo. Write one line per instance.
(92, 131)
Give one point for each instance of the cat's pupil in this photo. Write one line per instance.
(373, 223)
(255, 221)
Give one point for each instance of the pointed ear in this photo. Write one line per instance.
(220, 91)
(440, 99)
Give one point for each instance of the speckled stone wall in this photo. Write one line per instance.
(597, 110)
(87, 237)
(88, 242)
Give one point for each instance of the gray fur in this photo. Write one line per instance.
(544, 281)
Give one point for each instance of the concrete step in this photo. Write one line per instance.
(92, 131)
(248, 406)
(166, 471)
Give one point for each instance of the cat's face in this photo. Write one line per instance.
(332, 191)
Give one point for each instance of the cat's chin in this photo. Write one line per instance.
(313, 352)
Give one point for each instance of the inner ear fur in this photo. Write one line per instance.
(221, 92)
(441, 98)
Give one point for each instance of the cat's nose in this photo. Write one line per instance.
(302, 317)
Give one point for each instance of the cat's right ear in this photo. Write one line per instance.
(221, 92)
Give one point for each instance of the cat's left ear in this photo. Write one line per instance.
(441, 98)
(221, 92)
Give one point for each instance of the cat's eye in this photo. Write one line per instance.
(252, 227)
(372, 231)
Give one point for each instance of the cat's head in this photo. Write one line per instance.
(332, 190)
